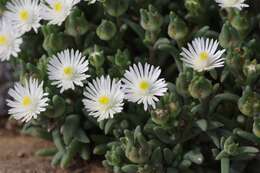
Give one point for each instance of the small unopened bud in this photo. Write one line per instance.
(193, 6)
(95, 56)
(151, 19)
(116, 8)
(177, 28)
(76, 24)
(229, 36)
(200, 87)
(249, 103)
(106, 30)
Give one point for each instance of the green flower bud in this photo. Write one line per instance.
(241, 23)
(249, 103)
(256, 127)
(122, 59)
(200, 87)
(106, 30)
(54, 40)
(137, 149)
(150, 37)
(160, 116)
(230, 147)
(251, 68)
(177, 28)
(95, 56)
(229, 36)
(116, 8)
(168, 108)
(76, 24)
(182, 82)
(151, 19)
(193, 6)
(115, 155)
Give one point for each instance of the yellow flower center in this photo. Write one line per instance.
(57, 6)
(24, 15)
(68, 71)
(3, 40)
(144, 85)
(104, 100)
(204, 56)
(26, 101)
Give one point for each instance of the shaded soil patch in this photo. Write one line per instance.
(17, 156)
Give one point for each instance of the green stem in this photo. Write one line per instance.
(225, 163)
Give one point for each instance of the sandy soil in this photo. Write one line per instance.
(17, 156)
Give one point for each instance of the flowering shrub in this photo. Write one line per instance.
(153, 86)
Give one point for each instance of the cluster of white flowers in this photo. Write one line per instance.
(103, 97)
(22, 16)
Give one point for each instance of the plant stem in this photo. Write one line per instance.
(225, 165)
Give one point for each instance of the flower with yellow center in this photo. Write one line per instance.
(24, 14)
(67, 69)
(68, 72)
(27, 101)
(238, 4)
(202, 55)
(57, 7)
(10, 41)
(3, 40)
(56, 11)
(103, 98)
(142, 84)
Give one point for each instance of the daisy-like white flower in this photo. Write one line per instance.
(202, 54)
(142, 84)
(24, 14)
(56, 11)
(27, 101)
(104, 98)
(68, 69)
(10, 41)
(239, 4)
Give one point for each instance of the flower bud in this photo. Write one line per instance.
(116, 8)
(177, 28)
(200, 87)
(249, 103)
(95, 56)
(230, 147)
(151, 19)
(106, 30)
(193, 6)
(241, 23)
(182, 83)
(76, 24)
(168, 108)
(122, 59)
(229, 36)
(251, 68)
(160, 116)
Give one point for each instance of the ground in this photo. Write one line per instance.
(17, 156)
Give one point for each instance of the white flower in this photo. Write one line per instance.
(56, 11)
(10, 41)
(141, 84)
(94, 1)
(203, 55)
(24, 14)
(239, 4)
(104, 98)
(27, 101)
(68, 69)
